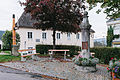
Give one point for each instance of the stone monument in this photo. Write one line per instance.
(85, 32)
(84, 62)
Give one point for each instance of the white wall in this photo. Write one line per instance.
(92, 40)
(37, 34)
(116, 29)
(1, 44)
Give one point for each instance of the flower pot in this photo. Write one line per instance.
(113, 74)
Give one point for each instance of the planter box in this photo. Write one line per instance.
(113, 74)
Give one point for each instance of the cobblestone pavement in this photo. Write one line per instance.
(64, 70)
(7, 73)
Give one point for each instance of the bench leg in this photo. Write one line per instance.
(65, 55)
(51, 56)
(23, 59)
(34, 57)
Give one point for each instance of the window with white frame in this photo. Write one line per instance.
(68, 36)
(44, 35)
(29, 35)
(58, 35)
(77, 36)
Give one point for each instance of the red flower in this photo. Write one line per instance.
(107, 68)
(112, 58)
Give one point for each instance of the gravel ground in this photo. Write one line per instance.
(64, 70)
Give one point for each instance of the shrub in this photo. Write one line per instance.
(105, 53)
(0, 50)
(94, 61)
(44, 48)
(85, 62)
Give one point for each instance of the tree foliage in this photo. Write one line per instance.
(110, 36)
(7, 40)
(111, 7)
(60, 15)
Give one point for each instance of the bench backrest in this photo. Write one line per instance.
(58, 50)
(27, 51)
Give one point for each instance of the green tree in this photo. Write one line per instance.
(110, 36)
(110, 7)
(7, 40)
(56, 15)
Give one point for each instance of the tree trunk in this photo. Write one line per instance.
(54, 40)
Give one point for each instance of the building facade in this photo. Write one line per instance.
(100, 42)
(115, 23)
(1, 43)
(30, 37)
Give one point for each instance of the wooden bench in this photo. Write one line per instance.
(55, 50)
(91, 53)
(27, 52)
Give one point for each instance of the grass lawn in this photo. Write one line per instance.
(9, 52)
(8, 58)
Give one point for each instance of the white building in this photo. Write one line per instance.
(1, 33)
(30, 37)
(115, 23)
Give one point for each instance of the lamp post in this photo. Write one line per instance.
(14, 46)
(85, 31)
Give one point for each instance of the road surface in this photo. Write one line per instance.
(13, 74)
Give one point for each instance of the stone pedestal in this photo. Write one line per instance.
(85, 54)
(15, 50)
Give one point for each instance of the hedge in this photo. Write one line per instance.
(106, 53)
(44, 48)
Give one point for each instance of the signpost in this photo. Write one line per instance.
(14, 46)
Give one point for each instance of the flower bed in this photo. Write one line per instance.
(80, 61)
(114, 68)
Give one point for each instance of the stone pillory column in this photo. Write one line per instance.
(85, 31)
(15, 47)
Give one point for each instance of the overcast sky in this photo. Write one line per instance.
(9, 7)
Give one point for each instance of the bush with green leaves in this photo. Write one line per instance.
(7, 40)
(94, 61)
(85, 62)
(44, 48)
(104, 54)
